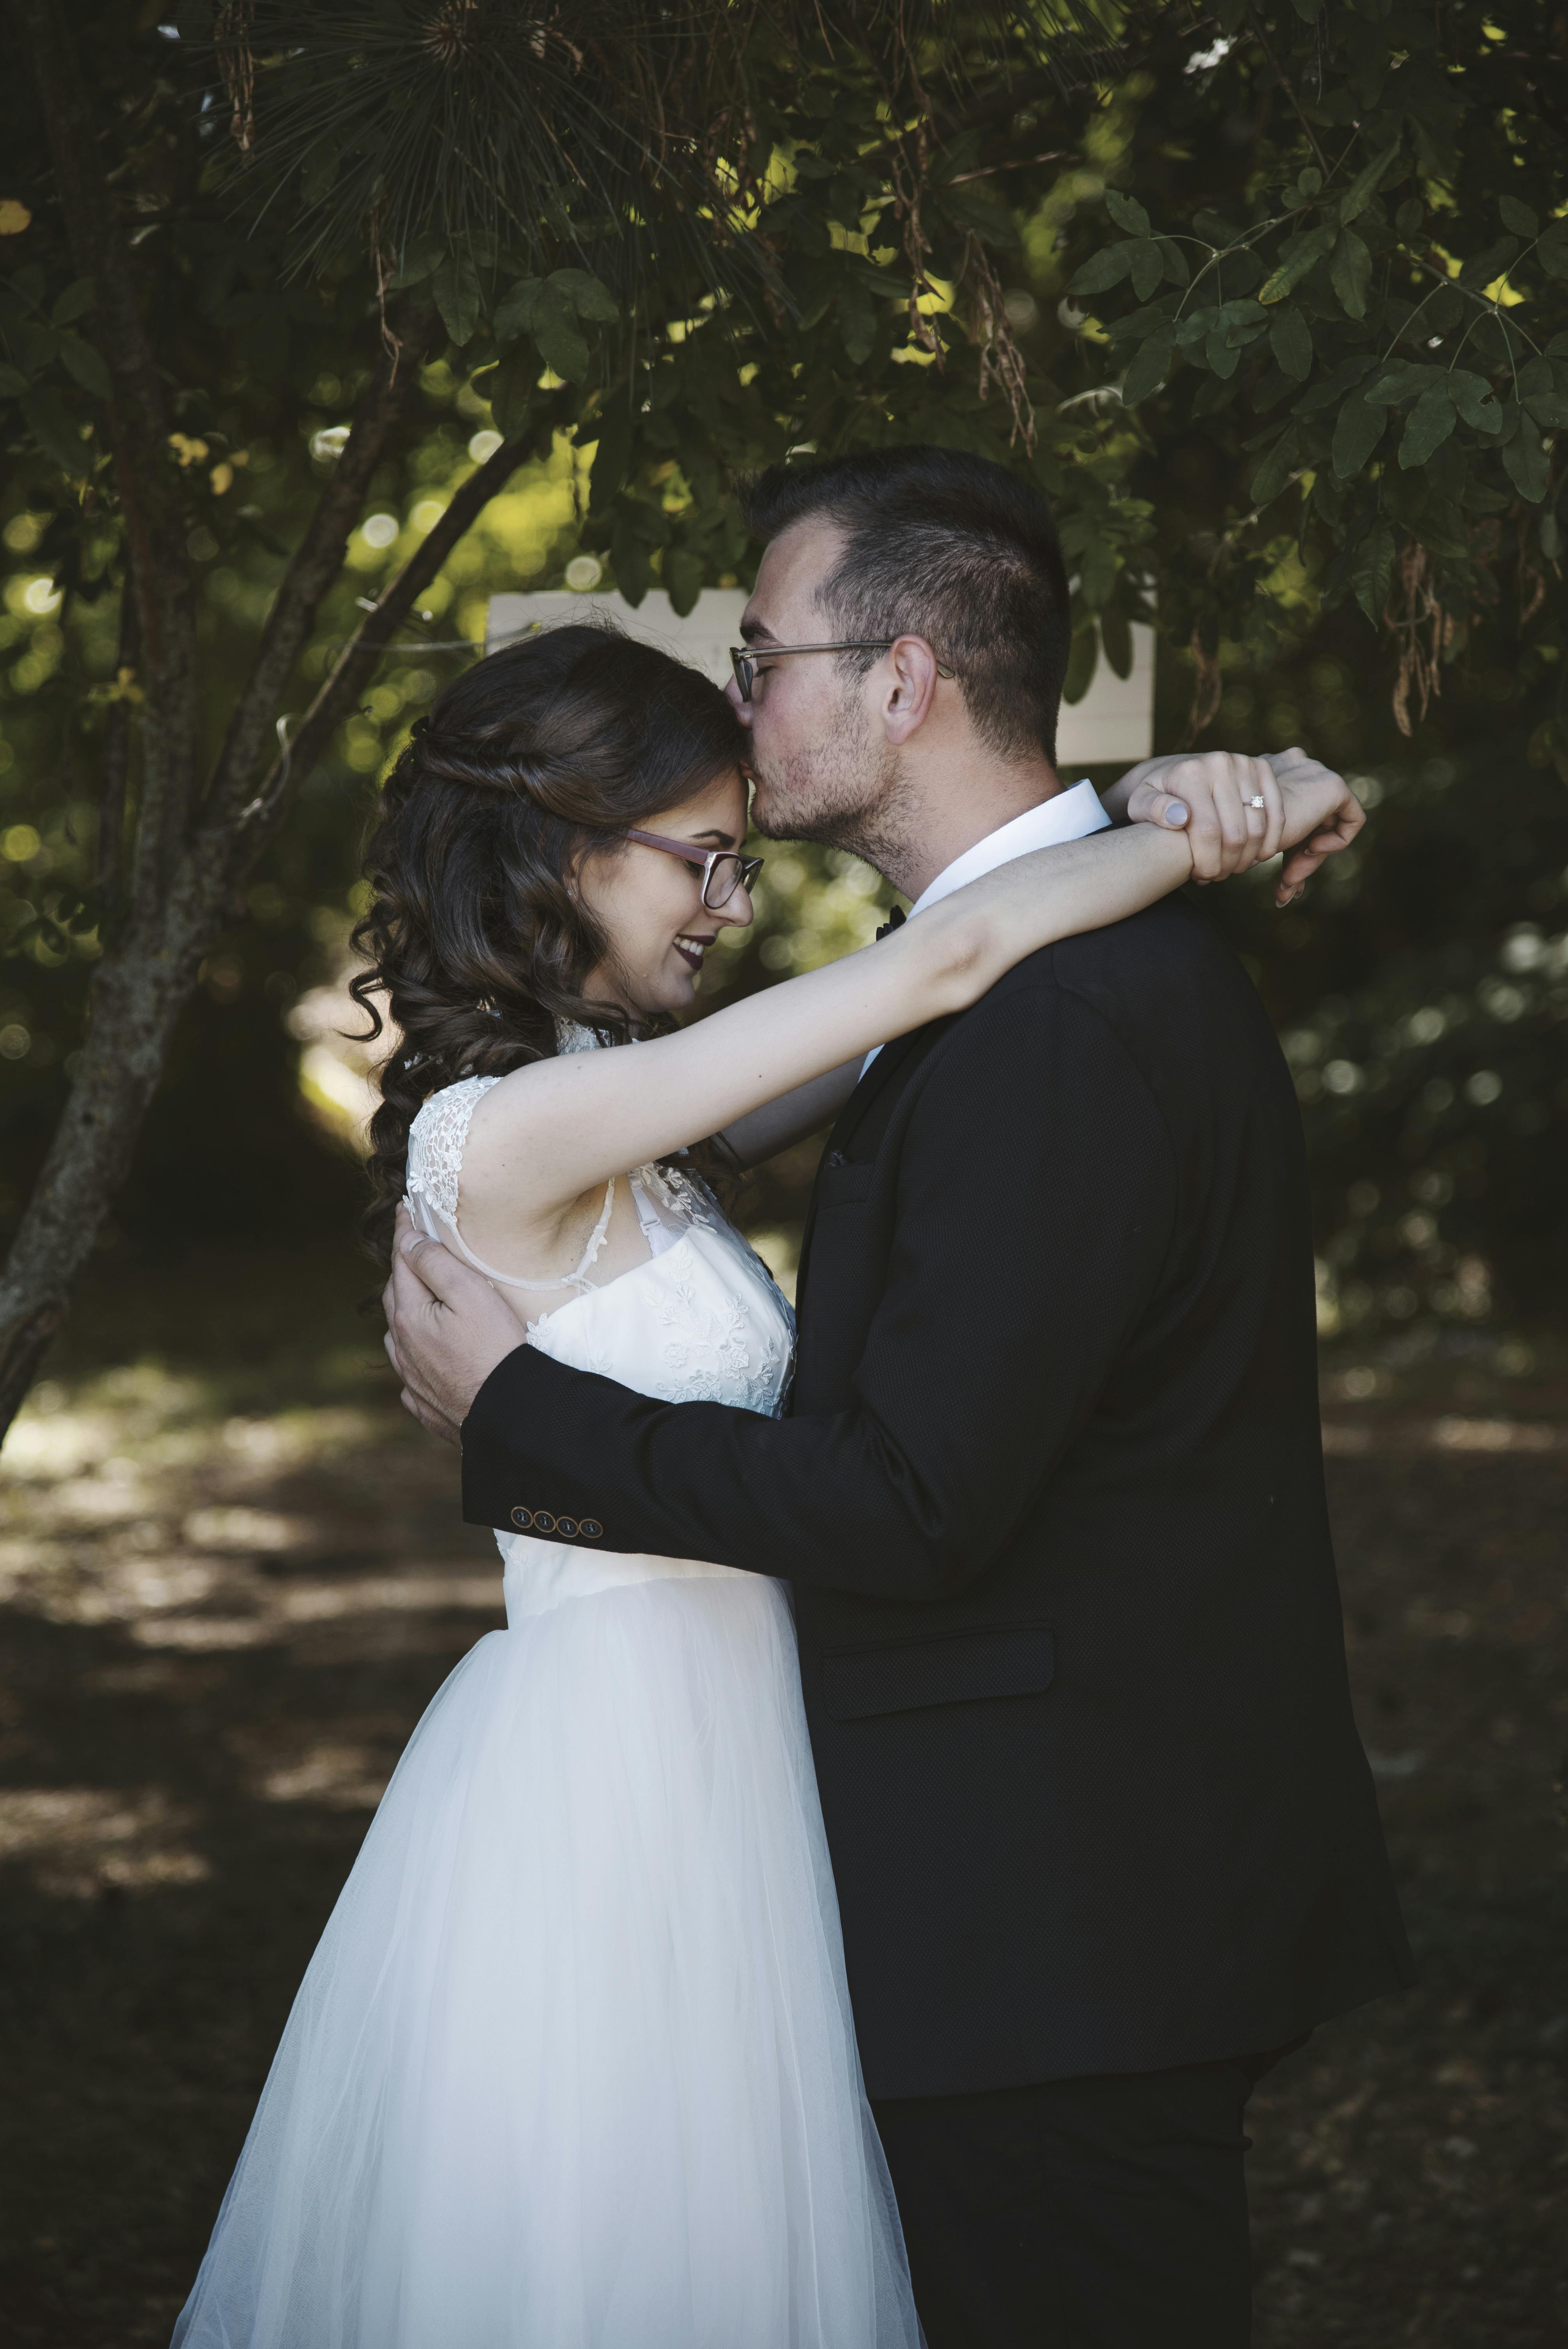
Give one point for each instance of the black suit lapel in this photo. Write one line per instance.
(893, 1063)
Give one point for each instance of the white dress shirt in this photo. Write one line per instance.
(1070, 815)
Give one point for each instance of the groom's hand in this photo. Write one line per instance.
(446, 1329)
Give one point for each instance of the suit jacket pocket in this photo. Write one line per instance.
(1015, 1660)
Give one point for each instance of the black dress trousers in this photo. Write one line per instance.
(1107, 2213)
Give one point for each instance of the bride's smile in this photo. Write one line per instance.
(648, 899)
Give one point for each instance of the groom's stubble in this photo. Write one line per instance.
(847, 789)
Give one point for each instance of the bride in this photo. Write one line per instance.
(573, 2066)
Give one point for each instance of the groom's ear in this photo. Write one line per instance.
(909, 677)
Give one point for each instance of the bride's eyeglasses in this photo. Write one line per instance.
(723, 872)
(746, 664)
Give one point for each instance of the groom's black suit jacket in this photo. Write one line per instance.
(1050, 1495)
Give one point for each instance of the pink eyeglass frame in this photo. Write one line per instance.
(747, 867)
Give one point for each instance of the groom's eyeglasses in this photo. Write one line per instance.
(723, 872)
(745, 664)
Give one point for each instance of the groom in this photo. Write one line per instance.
(1049, 1490)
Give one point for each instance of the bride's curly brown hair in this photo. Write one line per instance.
(474, 934)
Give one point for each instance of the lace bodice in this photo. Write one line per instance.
(700, 1319)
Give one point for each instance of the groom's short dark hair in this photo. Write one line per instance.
(946, 547)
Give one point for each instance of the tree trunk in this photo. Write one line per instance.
(141, 987)
(138, 994)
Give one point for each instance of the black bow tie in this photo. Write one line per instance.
(893, 922)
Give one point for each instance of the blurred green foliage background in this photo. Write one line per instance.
(1421, 990)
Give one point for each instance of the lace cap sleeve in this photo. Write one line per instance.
(437, 1140)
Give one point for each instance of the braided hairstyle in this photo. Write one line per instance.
(474, 933)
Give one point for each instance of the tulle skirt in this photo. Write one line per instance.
(573, 2066)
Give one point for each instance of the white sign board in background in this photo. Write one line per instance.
(1112, 725)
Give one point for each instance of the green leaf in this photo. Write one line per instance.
(1102, 270)
(1518, 217)
(1301, 254)
(56, 432)
(559, 341)
(1534, 377)
(682, 575)
(1550, 409)
(857, 325)
(1356, 433)
(1525, 459)
(1334, 386)
(1126, 213)
(83, 361)
(1223, 356)
(632, 561)
(1350, 272)
(1405, 380)
(1176, 270)
(982, 213)
(1097, 573)
(1372, 568)
(1309, 10)
(611, 450)
(1150, 367)
(1484, 266)
(13, 382)
(514, 313)
(509, 388)
(1116, 639)
(456, 287)
(1081, 661)
(422, 258)
(34, 346)
(646, 520)
(1409, 216)
(1133, 324)
(1475, 400)
(1365, 186)
(1290, 339)
(1428, 425)
(76, 297)
(588, 297)
(1276, 467)
(1147, 267)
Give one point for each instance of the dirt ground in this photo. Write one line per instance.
(232, 1576)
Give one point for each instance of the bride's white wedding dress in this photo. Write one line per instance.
(573, 2066)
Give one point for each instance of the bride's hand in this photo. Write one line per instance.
(1305, 808)
(1230, 807)
(1323, 816)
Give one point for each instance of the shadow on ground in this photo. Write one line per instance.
(232, 1576)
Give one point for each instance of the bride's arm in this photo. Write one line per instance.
(548, 1132)
(789, 1118)
(1204, 794)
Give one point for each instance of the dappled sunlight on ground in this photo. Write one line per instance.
(229, 1589)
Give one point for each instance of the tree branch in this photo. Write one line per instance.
(139, 438)
(316, 563)
(1288, 86)
(238, 844)
(114, 765)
